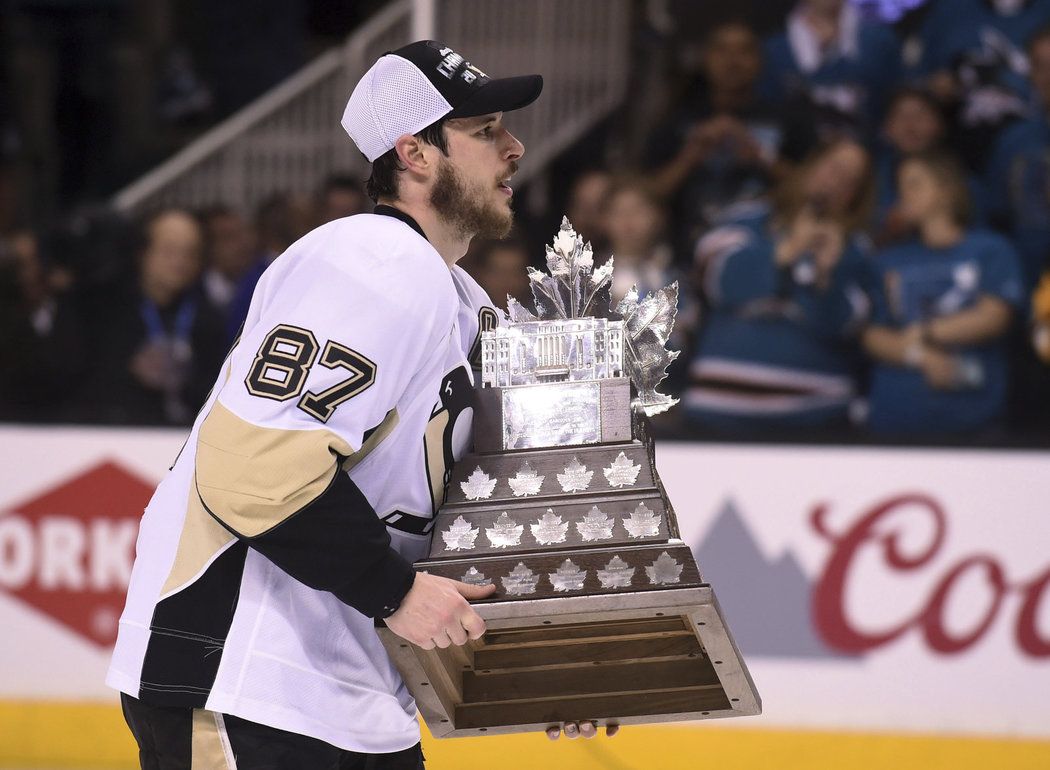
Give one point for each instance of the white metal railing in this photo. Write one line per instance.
(290, 138)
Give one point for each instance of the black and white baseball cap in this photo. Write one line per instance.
(408, 89)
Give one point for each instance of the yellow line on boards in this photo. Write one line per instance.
(92, 735)
(74, 735)
(710, 746)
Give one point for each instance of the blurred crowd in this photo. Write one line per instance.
(134, 331)
(857, 215)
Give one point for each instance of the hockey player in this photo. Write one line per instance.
(307, 487)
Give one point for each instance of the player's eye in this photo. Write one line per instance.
(486, 131)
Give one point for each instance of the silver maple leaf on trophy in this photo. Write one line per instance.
(573, 288)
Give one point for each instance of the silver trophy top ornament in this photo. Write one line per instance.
(573, 336)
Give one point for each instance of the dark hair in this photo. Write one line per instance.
(383, 182)
(142, 238)
(949, 173)
(733, 21)
(789, 198)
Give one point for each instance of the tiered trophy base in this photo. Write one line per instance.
(627, 658)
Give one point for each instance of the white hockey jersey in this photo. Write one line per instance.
(305, 490)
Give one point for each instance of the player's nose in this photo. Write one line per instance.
(514, 148)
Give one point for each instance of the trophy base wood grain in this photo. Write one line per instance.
(629, 658)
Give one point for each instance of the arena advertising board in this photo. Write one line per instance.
(868, 589)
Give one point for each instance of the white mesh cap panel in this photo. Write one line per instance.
(392, 99)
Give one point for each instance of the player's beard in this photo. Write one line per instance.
(469, 208)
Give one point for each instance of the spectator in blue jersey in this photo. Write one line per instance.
(833, 60)
(1019, 171)
(785, 298)
(973, 57)
(721, 148)
(915, 123)
(943, 307)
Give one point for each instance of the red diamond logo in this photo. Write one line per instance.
(68, 552)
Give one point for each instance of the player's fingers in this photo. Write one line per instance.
(611, 730)
(588, 729)
(470, 591)
(442, 640)
(473, 624)
(427, 644)
(572, 730)
(457, 634)
(554, 733)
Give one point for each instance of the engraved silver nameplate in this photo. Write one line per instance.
(549, 529)
(595, 525)
(622, 472)
(617, 574)
(525, 482)
(505, 532)
(478, 486)
(576, 477)
(642, 522)
(664, 570)
(521, 580)
(569, 577)
(460, 536)
(475, 578)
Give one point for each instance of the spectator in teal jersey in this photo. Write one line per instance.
(785, 300)
(841, 65)
(972, 54)
(1018, 175)
(722, 148)
(943, 306)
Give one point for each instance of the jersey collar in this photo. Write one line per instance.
(389, 211)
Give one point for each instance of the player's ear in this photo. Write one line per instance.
(411, 153)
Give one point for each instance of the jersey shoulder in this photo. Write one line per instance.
(378, 259)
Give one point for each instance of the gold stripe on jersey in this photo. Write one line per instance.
(379, 435)
(201, 538)
(252, 478)
(206, 743)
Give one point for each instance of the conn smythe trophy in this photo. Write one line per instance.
(601, 612)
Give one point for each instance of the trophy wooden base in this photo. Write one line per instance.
(629, 658)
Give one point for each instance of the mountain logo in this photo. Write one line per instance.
(768, 603)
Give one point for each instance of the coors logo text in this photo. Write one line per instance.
(879, 535)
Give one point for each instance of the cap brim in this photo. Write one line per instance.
(502, 95)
